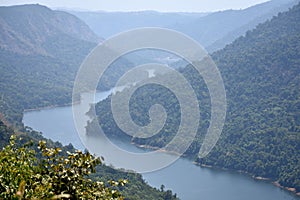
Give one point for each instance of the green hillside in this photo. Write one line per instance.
(40, 53)
(261, 74)
(39, 57)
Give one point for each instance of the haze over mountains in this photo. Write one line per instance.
(218, 29)
(212, 30)
(42, 49)
(28, 29)
(108, 24)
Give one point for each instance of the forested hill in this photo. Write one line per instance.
(40, 53)
(261, 73)
(28, 29)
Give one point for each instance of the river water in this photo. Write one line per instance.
(188, 181)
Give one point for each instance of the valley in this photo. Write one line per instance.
(257, 53)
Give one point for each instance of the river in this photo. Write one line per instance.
(187, 180)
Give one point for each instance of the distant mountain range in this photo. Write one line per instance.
(218, 29)
(212, 30)
(41, 50)
(108, 24)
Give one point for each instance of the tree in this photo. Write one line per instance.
(49, 174)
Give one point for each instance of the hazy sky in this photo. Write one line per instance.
(129, 5)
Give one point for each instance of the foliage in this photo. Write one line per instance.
(42, 75)
(262, 77)
(39, 56)
(53, 175)
(261, 74)
(136, 188)
(5, 134)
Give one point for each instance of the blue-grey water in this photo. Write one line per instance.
(188, 181)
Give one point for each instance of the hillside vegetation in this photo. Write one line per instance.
(40, 53)
(39, 57)
(44, 169)
(261, 74)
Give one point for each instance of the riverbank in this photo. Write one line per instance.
(259, 178)
(148, 147)
(43, 117)
(188, 180)
(60, 105)
(292, 190)
(51, 107)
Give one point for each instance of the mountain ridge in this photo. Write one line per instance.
(40, 54)
(35, 24)
(216, 30)
(212, 30)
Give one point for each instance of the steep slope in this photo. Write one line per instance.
(40, 52)
(40, 72)
(218, 29)
(261, 74)
(25, 29)
(262, 77)
(271, 9)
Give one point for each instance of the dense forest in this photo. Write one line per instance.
(38, 63)
(38, 68)
(262, 79)
(33, 81)
(39, 58)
